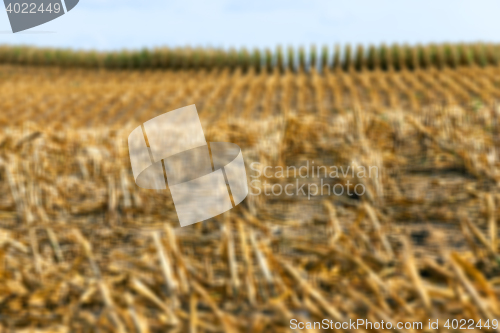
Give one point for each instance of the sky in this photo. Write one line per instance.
(120, 24)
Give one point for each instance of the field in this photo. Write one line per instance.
(83, 249)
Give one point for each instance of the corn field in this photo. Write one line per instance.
(83, 249)
(384, 57)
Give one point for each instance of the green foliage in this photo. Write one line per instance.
(394, 57)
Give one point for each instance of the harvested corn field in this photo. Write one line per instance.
(83, 249)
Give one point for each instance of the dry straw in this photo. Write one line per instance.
(83, 249)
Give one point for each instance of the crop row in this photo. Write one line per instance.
(393, 57)
(95, 97)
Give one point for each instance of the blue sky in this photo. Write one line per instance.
(117, 24)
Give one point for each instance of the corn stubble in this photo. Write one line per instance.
(83, 249)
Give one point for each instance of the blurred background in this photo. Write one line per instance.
(408, 88)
